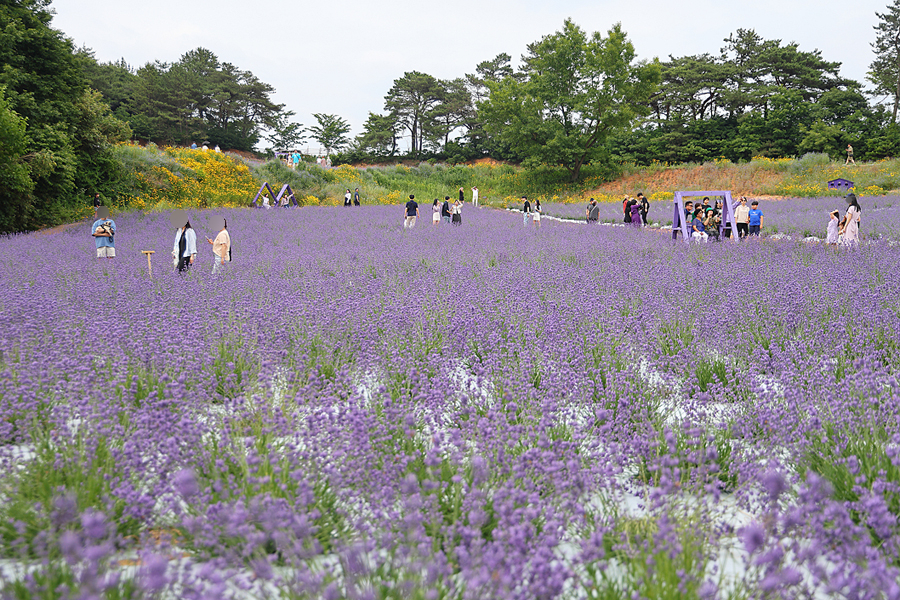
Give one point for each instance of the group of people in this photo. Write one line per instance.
(531, 212)
(447, 211)
(845, 231)
(184, 249)
(708, 221)
(635, 209)
(351, 199)
(204, 147)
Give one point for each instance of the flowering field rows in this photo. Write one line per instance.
(484, 411)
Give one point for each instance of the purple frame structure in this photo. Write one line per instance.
(679, 223)
(275, 199)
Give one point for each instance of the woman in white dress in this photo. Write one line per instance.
(435, 212)
(849, 235)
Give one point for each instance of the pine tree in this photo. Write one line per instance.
(884, 72)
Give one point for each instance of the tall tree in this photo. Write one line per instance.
(379, 136)
(410, 102)
(884, 72)
(575, 91)
(331, 131)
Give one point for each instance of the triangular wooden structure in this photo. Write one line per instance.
(680, 223)
(264, 186)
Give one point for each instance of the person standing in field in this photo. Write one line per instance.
(462, 195)
(104, 230)
(184, 250)
(97, 203)
(635, 209)
(412, 211)
(474, 196)
(436, 212)
(755, 218)
(645, 207)
(456, 212)
(849, 235)
(849, 155)
(626, 202)
(356, 197)
(347, 201)
(526, 211)
(831, 231)
(536, 213)
(742, 218)
(445, 209)
(593, 212)
(221, 245)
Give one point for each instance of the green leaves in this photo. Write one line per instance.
(573, 91)
(331, 131)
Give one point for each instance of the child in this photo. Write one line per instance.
(755, 220)
(831, 235)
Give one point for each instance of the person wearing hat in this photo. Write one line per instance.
(104, 230)
(849, 235)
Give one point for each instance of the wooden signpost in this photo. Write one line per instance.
(149, 266)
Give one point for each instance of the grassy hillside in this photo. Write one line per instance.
(154, 178)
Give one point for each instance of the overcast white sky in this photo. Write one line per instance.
(342, 57)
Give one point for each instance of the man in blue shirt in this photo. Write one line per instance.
(104, 231)
(755, 221)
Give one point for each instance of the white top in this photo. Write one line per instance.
(474, 194)
(190, 239)
(742, 214)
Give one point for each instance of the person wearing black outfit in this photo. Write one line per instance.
(645, 206)
(445, 209)
(356, 197)
(462, 195)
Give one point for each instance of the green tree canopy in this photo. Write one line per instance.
(575, 90)
(331, 131)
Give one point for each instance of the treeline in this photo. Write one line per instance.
(55, 132)
(755, 97)
(195, 99)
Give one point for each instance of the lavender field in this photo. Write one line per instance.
(488, 411)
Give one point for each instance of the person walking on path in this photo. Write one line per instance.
(849, 235)
(755, 218)
(526, 211)
(412, 211)
(104, 231)
(536, 213)
(445, 209)
(474, 196)
(849, 155)
(184, 250)
(356, 197)
(221, 245)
